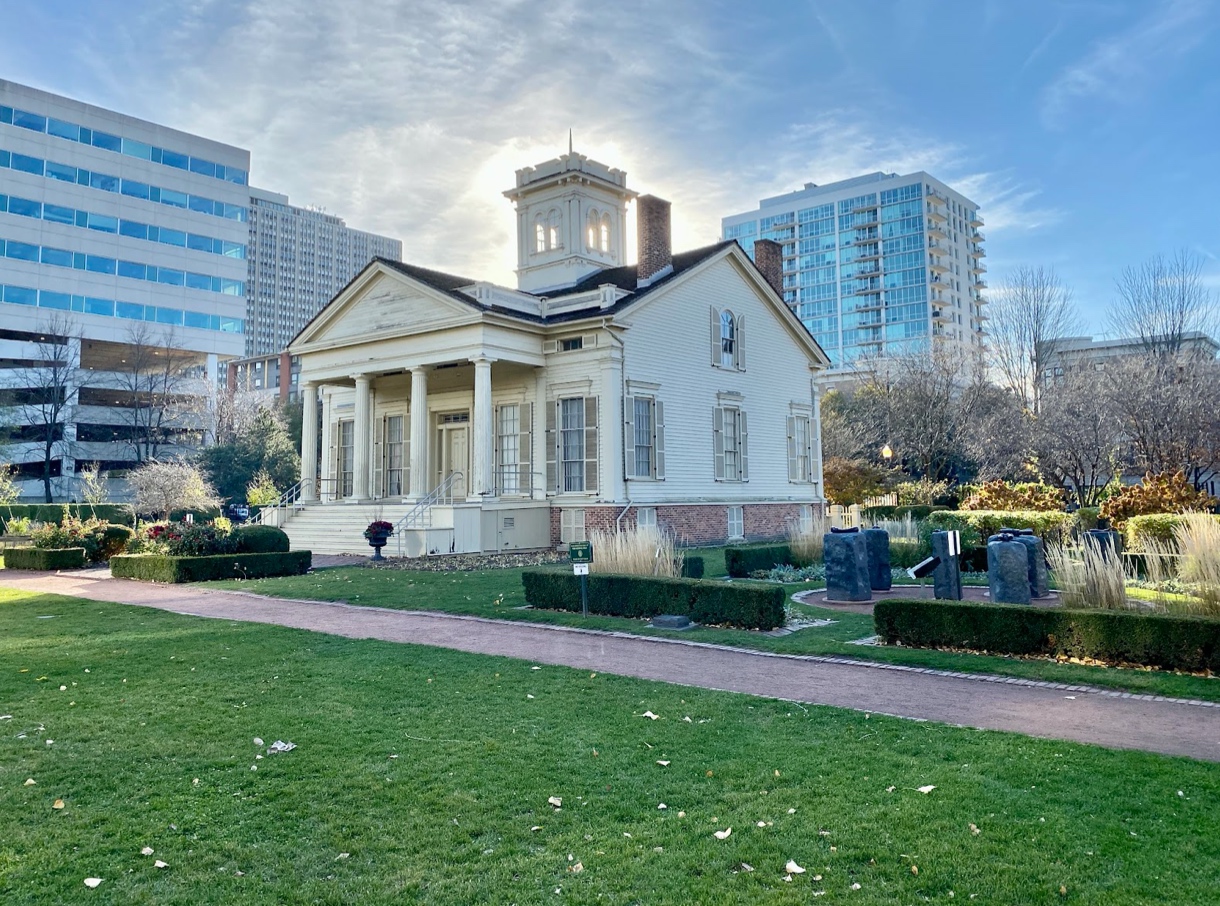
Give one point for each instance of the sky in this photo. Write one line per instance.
(1086, 130)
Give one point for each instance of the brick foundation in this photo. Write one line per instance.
(696, 524)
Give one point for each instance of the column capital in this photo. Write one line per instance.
(366, 378)
(308, 385)
(419, 369)
(482, 360)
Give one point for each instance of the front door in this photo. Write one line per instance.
(454, 451)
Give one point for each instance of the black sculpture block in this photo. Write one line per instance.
(947, 579)
(878, 541)
(846, 557)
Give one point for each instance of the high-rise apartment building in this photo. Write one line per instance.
(299, 259)
(877, 265)
(123, 249)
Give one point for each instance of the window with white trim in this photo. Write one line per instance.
(728, 339)
(737, 525)
(646, 517)
(571, 433)
(730, 444)
(514, 433)
(805, 519)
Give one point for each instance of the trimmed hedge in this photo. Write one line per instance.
(118, 513)
(44, 558)
(979, 524)
(741, 561)
(692, 567)
(1158, 527)
(1169, 642)
(260, 539)
(716, 603)
(162, 568)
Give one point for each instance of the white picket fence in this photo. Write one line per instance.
(844, 517)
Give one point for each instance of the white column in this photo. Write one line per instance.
(419, 432)
(483, 454)
(364, 424)
(327, 490)
(309, 441)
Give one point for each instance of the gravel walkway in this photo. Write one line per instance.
(1050, 710)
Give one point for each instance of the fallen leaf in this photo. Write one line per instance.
(663, 764)
(535, 668)
(6, 717)
(786, 878)
(681, 814)
(527, 695)
(555, 801)
(688, 720)
(926, 789)
(974, 830)
(257, 741)
(160, 864)
(855, 886)
(793, 868)
(343, 856)
(31, 782)
(777, 773)
(58, 803)
(819, 893)
(92, 883)
(627, 835)
(722, 835)
(815, 877)
(708, 774)
(1063, 891)
(914, 869)
(536, 827)
(746, 867)
(662, 806)
(890, 789)
(146, 851)
(576, 868)
(762, 823)
(791, 811)
(650, 715)
(63, 688)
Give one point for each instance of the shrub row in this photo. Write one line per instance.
(915, 511)
(118, 513)
(740, 561)
(692, 567)
(1157, 528)
(1170, 642)
(44, 559)
(715, 603)
(977, 525)
(163, 568)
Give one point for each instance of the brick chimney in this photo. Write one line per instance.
(769, 259)
(655, 248)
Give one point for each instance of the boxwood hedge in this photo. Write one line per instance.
(717, 603)
(117, 513)
(692, 567)
(745, 559)
(260, 539)
(44, 558)
(1170, 642)
(162, 568)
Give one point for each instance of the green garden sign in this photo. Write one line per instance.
(580, 555)
(580, 552)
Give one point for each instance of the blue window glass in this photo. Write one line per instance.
(172, 237)
(203, 167)
(104, 182)
(172, 198)
(101, 307)
(58, 214)
(100, 264)
(232, 325)
(154, 233)
(199, 281)
(82, 219)
(57, 257)
(133, 269)
(78, 303)
(169, 316)
(82, 177)
(27, 164)
(61, 129)
(150, 313)
(232, 287)
(3, 203)
(170, 276)
(199, 243)
(129, 310)
(6, 115)
(5, 159)
(62, 301)
(174, 159)
(134, 189)
(107, 142)
(233, 249)
(86, 136)
(195, 319)
(137, 149)
(27, 120)
(78, 260)
(24, 206)
(20, 295)
(103, 223)
(154, 194)
(62, 172)
(22, 251)
(201, 205)
(133, 229)
(156, 155)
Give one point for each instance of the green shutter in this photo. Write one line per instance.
(658, 438)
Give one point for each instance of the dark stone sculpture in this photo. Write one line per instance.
(947, 579)
(1008, 569)
(846, 558)
(878, 541)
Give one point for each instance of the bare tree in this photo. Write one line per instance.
(1079, 437)
(161, 487)
(45, 390)
(998, 437)
(1163, 300)
(1030, 314)
(164, 389)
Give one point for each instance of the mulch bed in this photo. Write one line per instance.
(450, 563)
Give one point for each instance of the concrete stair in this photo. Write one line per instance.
(339, 529)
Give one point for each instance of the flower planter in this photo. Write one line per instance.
(378, 533)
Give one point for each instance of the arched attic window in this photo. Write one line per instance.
(552, 230)
(539, 235)
(728, 339)
(591, 230)
(604, 234)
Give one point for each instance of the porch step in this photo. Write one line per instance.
(339, 528)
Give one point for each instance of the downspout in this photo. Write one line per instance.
(622, 396)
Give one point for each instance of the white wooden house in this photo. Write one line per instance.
(678, 391)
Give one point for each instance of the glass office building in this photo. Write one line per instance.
(878, 265)
(124, 234)
(299, 260)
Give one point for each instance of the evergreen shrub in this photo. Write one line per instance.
(714, 603)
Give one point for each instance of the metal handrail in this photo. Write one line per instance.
(285, 501)
(420, 515)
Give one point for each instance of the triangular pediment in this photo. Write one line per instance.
(382, 301)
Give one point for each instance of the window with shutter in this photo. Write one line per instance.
(552, 448)
(659, 439)
(574, 433)
(525, 450)
(739, 346)
(715, 336)
(718, 443)
(793, 466)
(591, 474)
(629, 436)
(378, 457)
(743, 435)
(508, 448)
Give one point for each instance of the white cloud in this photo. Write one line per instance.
(1121, 66)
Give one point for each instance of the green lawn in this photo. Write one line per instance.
(498, 593)
(421, 775)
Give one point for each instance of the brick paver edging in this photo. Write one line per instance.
(810, 658)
